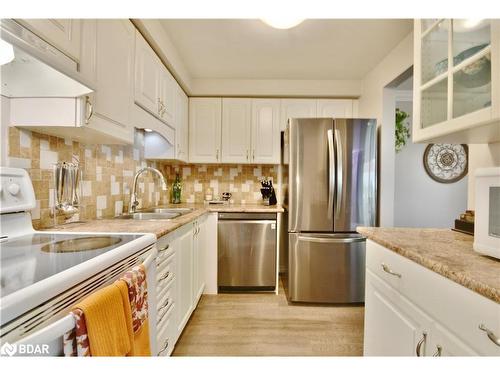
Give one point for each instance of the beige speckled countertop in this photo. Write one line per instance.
(159, 227)
(445, 252)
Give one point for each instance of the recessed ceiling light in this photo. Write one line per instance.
(282, 22)
(148, 130)
(6, 52)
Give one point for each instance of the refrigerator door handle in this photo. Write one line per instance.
(331, 172)
(340, 172)
(325, 239)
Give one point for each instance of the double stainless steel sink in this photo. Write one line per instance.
(157, 214)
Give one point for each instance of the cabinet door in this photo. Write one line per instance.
(147, 76)
(393, 325)
(297, 108)
(63, 34)
(115, 74)
(201, 248)
(167, 96)
(205, 130)
(181, 124)
(185, 275)
(265, 131)
(88, 52)
(236, 130)
(340, 108)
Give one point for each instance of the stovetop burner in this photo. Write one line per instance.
(81, 244)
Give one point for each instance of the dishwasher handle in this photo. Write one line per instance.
(264, 222)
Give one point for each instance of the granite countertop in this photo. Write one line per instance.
(159, 227)
(445, 252)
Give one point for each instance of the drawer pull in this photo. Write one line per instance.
(420, 343)
(491, 335)
(164, 276)
(165, 346)
(164, 248)
(439, 349)
(386, 268)
(163, 315)
(166, 304)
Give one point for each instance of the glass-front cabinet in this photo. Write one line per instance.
(456, 80)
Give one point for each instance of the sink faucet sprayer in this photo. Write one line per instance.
(133, 196)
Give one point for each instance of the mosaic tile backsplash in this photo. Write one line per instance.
(108, 171)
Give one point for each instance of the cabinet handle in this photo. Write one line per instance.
(164, 248)
(166, 304)
(491, 335)
(386, 268)
(253, 155)
(165, 346)
(164, 276)
(217, 154)
(247, 155)
(90, 109)
(438, 351)
(420, 343)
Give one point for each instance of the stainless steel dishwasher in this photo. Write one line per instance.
(246, 251)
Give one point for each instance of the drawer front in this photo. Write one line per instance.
(165, 300)
(165, 272)
(454, 307)
(166, 333)
(386, 264)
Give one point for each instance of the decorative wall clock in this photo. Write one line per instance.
(446, 163)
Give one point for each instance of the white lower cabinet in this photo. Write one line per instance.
(180, 280)
(410, 310)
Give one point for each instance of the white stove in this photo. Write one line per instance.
(43, 274)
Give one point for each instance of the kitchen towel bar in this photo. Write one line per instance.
(60, 327)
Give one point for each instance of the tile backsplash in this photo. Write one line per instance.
(242, 181)
(108, 172)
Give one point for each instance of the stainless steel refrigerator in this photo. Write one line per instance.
(332, 180)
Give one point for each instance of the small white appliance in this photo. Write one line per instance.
(487, 215)
(43, 274)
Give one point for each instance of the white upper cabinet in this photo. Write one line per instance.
(298, 108)
(182, 126)
(167, 97)
(64, 34)
(147, 76)
(340, 108)
(87, 68)
(456, 81)
(205, 123)
(266, 143)
(236, 130)
(113, 99)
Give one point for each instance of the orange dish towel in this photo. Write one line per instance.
(105, 318)
(139, 345)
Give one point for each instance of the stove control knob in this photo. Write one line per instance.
(14, 189)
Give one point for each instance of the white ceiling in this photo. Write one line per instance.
(316, 49)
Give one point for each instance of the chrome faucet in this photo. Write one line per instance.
(133, 196)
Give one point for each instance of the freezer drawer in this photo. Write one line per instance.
(246, 253)
(326, 268)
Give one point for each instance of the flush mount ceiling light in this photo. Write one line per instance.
(148, 130)
(6, 52)
(282, 22)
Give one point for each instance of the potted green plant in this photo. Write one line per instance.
(402, 129)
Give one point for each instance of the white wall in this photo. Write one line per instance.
(419, 200)
(371, 105)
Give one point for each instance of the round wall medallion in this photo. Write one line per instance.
(446, 163)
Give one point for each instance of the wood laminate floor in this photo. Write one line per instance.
(267, 325)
